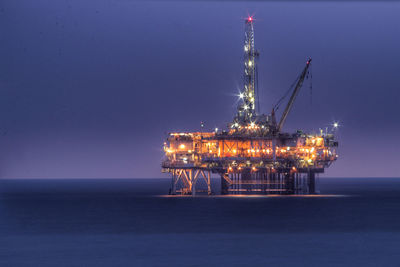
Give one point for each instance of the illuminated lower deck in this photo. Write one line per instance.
(236, 151)
(283, 164)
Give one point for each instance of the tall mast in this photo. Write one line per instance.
(247, 109)
(294, 94)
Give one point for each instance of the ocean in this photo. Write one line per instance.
(132, 222)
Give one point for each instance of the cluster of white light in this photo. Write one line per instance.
(252, 126)
(181, 134)
(241, 96)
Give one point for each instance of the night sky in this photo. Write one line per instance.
(89, 89)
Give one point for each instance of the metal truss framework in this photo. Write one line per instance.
(268, 181)
(184, 180)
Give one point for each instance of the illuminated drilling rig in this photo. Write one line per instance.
(253, 156)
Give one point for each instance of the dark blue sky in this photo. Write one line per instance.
(89, 88)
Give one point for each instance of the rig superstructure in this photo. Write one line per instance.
(253, 156)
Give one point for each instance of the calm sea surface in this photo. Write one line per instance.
(131, 222)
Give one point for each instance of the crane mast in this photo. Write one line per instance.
(294, 95)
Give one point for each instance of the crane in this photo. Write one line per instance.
(293, 96)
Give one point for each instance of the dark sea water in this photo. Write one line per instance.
(131, 222)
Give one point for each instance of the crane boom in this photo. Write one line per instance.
(293, 96)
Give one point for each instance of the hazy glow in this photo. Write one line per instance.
(66, 132)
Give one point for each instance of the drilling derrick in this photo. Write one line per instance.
(253, 156)
(247, 109)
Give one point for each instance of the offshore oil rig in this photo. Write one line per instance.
(254, 155)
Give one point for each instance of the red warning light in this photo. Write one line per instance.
(250, 19)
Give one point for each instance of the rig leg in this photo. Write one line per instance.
(224, 184)
(193, 182)
(311, 182)
(289, 183)
(208, 182)
(173, 184)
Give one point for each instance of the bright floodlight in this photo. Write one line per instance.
(335, 125)
(241, 95)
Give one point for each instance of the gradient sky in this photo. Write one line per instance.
(90, 88)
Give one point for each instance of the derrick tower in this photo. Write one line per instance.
(247, 108)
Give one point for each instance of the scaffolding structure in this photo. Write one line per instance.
(253, 156)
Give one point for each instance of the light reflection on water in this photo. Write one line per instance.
(256, 196)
